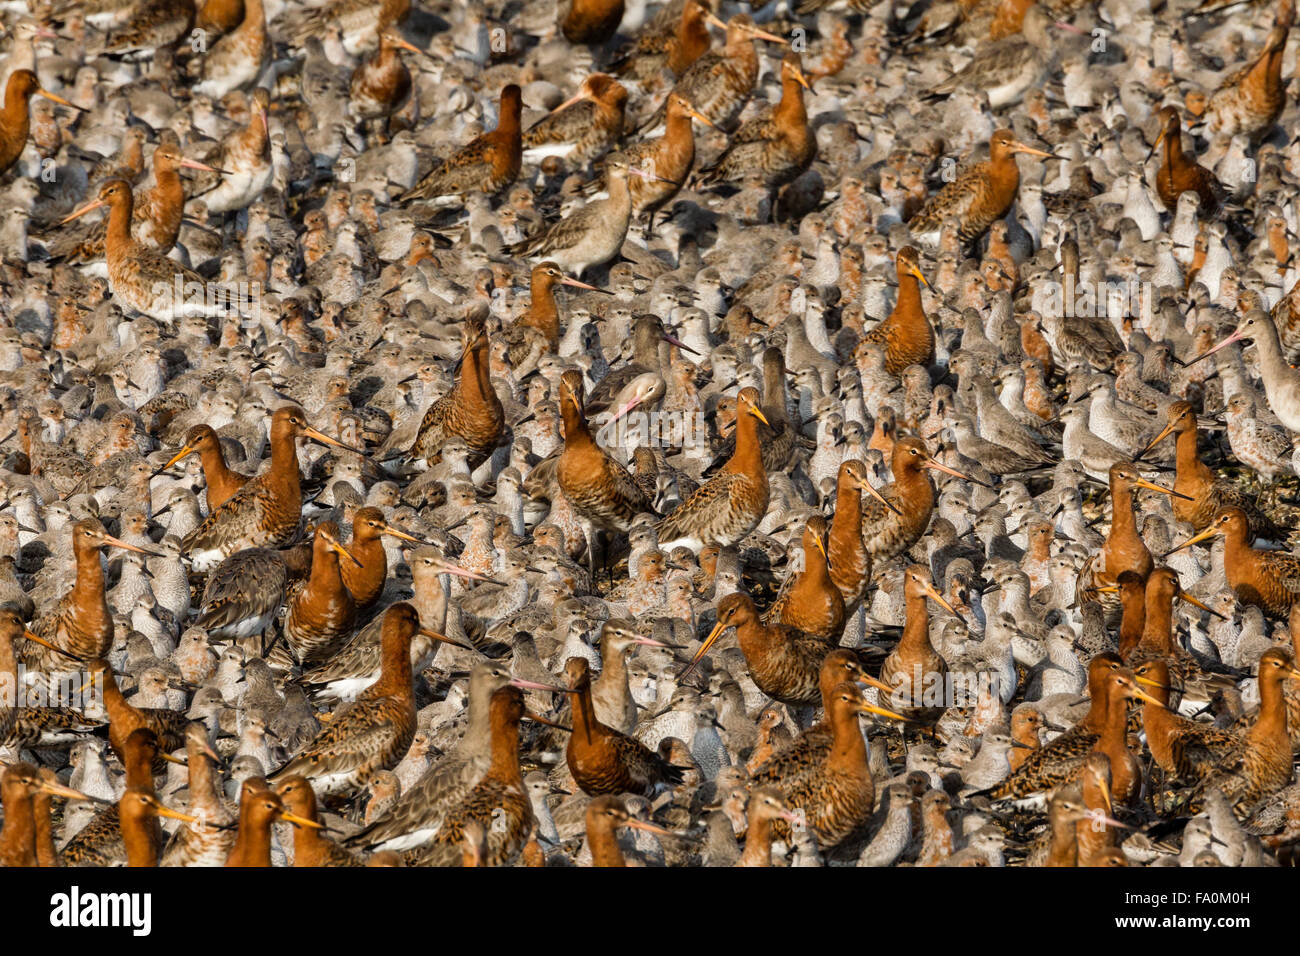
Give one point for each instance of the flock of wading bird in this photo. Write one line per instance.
(599, 433)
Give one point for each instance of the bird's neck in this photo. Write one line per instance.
(909, 298)
(1063, 850)
(741, 50)
(758, 843)
(15, 120)
(916, 628)
(1005, 174)
(139, 837)
(1190, 471)
(367, 580)
(1237, 550)
(475, 382)
(254, 15)
(678, 133)
(1095, 719)
(8, 673)
(430, 600)
(115, 705)
(214, 463)
(168, 190)
(395, 677)
(284, 461)
(756, 638)
(790, 114)
(478, 729)
(118, 232)
(252, 844)
(505, 754)
(1272, 365)
(614, 672)
(585, 724)
(46, 855)
(508, 121)
(747, 458)
(1123, 522)
(603, 842)
(202, 782)
(1158, 629)
(1272, 722)
(576, 432)
(815, 571)
(913, 491)
(846, 523)
(1131, 626)
(848, 747)
(544, 313)
(1270, 65)
(18, 837)
(1114, 727)
(326, 576)
(308, 842)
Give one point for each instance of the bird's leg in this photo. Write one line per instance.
(593, 562)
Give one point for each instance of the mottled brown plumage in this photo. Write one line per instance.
(784, 662)
(1179, 173)
(1250, 100)
(906, 334)
(673, 48)
(601, 759)
(322, 614)
(600, 489)
(488, 163)
(809, 600)
(812, 746)
(381, 84)
(1268, 579)
(850, 561)
(731, 503)
(310, 845)
(914, 671)
(1184, 749)
(888, 532)
(80, 625)
(583, 127)
(977, 197)
(471, 409)
(718, 84)
(498, 802)
(374, 732)
(1193, 479)
(155, 215)
(243, 595)
(208, 842)
(1061, 760)
(1261, 764)
(670, 156)
(777, 147)
(266, 510)
(99, 842)
(837, 795)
